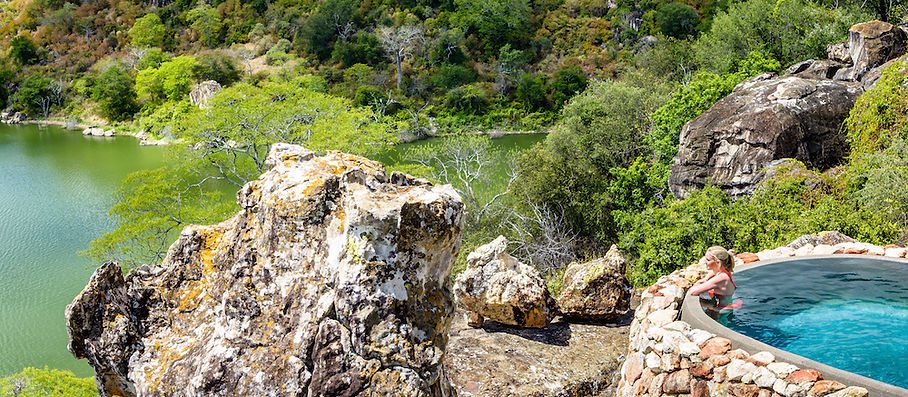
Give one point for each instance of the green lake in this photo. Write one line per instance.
(56, 187)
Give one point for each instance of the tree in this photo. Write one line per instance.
(599, 136)
(206, 21)
(321, 29)
(399, 43)
(24, 50)
(148, 31)
(677, 20)
(113, 90)
(228, 143)
(567, 82)
(171, 81)
(32, 93)
(495, 22)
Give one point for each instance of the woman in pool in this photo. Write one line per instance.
(717, 289)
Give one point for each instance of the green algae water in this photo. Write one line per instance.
(56, 187)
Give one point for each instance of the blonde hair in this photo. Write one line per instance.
(723, 256)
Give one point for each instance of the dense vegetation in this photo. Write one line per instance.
(33, 382)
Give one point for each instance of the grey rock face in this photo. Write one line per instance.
(496, 285)
(767, 118)
(332, 281)
(761, 121)
(596, 290)
(203, 91)
(871, 44)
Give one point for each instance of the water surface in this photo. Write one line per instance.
(55, 191)
(850, 313)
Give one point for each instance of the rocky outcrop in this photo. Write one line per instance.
(497, 286)
(563, 359)
(333, 280)
(870, 44)
(10, 117)
(98, 131)
(730, 144)
(203, 92)
(596, 290)
(796, 115)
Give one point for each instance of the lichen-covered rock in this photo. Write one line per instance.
(497, 286)
(333, 280)
(596, 290)
(203, 92)
(730, 144)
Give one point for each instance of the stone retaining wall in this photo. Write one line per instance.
(667, 357)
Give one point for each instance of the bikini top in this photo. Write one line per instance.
(732, 283)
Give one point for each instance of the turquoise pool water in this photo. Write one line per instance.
(850, 313)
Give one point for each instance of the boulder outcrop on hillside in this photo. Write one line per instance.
(333, 280)
(497, 286)
(203, 92)
(796, 115)
(730, 144)
(596, 290)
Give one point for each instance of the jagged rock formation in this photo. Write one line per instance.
(596, 290)
(333, 280)
(10, 117)
(98, 131)
(496, 285)
(797, 115)
(202, 92)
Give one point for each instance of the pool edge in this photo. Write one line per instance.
(694, 315)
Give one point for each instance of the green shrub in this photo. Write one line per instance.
(677, 20)
(448, 76)
(788, 31)
(531, 91)
(565, 83)
(24, 50)
(217, 66)
(471, 99)
(148, 31)
(33, 382)
(113, 90)
(880, 115)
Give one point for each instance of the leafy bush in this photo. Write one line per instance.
(24, 50)
(788, 31)
(600, 130)
(567, 82)
(363, 47)
(171, 81)
(677, 20)
(148, 31)
(531, 91)
(448, 76)
(32, 91)
(495, 22)
(217, 66)
(470, 99)
(113, 90)
(880, 115)
(153, 58)
(33, 382)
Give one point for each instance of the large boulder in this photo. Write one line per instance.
(596, 290)
(332, 280)
(871, 44)
(497, 286)
(203, 92)
(764, 119)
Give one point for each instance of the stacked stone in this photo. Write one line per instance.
(667, 357)
(825, 243)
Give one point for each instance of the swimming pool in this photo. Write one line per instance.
(846, 311)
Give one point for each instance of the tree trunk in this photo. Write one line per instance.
(400, 74)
